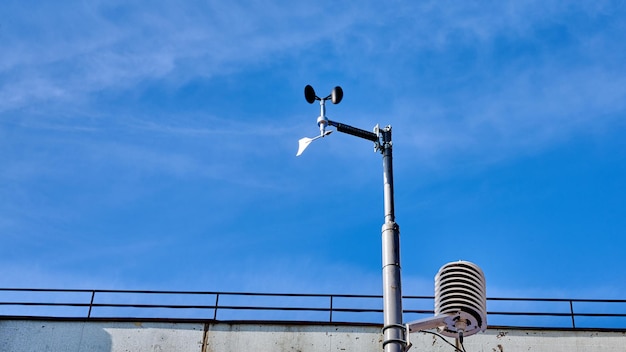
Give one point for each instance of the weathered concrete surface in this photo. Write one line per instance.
(22, 336)
(514, 340)
(60, 336)
(292, 338)
(308, 338)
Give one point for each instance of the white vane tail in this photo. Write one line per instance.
(304, 142)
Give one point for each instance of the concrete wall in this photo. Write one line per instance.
(292, 338)
(22, 336)
(57, 336)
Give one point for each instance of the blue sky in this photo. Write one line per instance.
(151, 145)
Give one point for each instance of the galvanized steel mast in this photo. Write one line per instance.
(394, 333)
(393, 329)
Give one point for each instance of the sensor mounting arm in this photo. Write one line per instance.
(341, 127)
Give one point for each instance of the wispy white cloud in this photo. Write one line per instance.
(116, 46)
(542, 93)
(537, 108)
(122, 45)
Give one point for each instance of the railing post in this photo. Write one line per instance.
(93, 295)
(571, 309)
(217, 298)
(331, 309)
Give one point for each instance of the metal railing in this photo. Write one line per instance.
(84, 304)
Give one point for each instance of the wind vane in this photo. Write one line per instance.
(322, 121)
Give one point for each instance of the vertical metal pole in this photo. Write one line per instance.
(394, 339)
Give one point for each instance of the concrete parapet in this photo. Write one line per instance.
(105, 336)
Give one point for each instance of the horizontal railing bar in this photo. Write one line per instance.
(274, 308)
(91, 302)
(614, 315)
(44, 304)
(233, 293)
(575, 300)
(345, 310)
(45, 290)
(419, 311)
(549, 314)
(180, 306)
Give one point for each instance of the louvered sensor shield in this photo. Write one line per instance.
(460, 301)
(460, 294)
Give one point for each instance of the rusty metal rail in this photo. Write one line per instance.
(37, 303)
